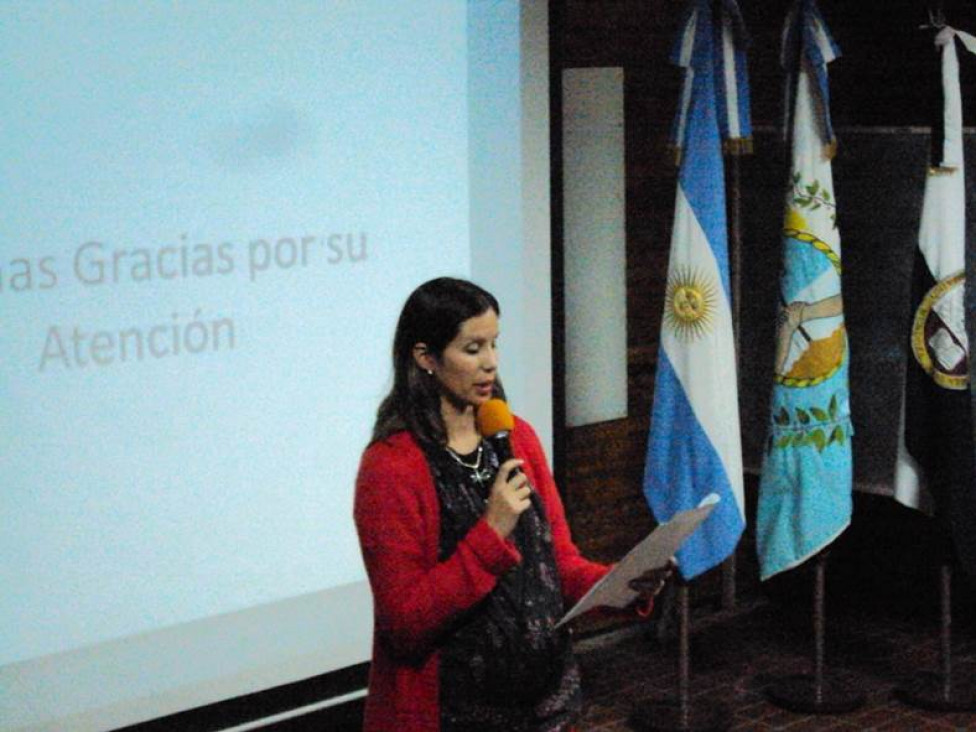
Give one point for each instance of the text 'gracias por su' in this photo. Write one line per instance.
(96, 264)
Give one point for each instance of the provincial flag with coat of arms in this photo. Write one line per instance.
(935, 466)
(805, 487)
(694, 444)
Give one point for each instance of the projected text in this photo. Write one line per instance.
(74, 347)
(98, 264)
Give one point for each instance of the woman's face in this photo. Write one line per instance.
(466, 369)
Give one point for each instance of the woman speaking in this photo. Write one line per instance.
(469, 557)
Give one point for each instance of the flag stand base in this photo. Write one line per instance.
(802, 693)
(940, 692)
(817, 693)
(669, 715)
(929, 691)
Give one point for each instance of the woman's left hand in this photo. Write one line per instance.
(649, 584)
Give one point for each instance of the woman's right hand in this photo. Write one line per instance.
(508, 498)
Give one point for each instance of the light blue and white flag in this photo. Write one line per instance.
(694, 445)
(805, 488)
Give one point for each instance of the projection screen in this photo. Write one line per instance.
(213, 213)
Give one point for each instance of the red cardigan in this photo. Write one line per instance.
(415, 597)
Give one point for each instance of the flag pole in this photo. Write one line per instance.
(698, 336)
(941, 692)
(735, 256)
(817, 693)
(807, 50)
(668, 716)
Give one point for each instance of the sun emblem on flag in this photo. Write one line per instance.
(690, 303)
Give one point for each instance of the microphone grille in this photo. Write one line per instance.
(494, 416)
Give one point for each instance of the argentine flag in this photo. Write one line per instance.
(694, 446)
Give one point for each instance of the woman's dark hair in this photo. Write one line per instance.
(433, 315)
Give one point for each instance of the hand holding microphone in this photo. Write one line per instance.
(508, 498)
(510, 493)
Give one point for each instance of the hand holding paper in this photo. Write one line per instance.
(651, 582)
(653, 552)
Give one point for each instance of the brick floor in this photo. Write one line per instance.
(736, 655)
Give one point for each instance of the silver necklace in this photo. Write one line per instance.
(480, 475)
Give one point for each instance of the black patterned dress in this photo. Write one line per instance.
(503, 667)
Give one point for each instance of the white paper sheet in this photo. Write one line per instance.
(652, 552)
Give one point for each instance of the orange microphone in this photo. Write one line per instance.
(495, 423)
(494, 416)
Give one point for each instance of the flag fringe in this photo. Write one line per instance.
(942, 169)
(738, 146)
(830, 150)
(675, 154)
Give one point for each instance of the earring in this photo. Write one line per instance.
(430, 372)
